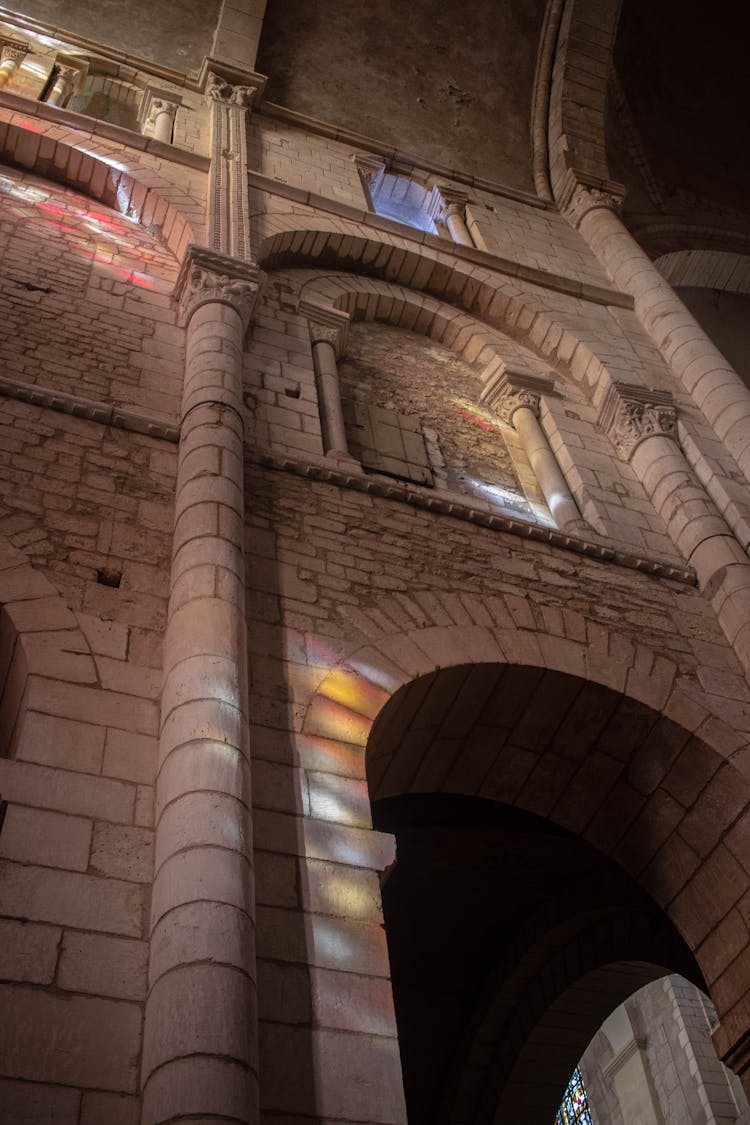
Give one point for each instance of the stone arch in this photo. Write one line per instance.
(132, 189)
(578, 96)
(699, 843)
(709, 269)
(39, 636)
(402, 307)
(495, 300)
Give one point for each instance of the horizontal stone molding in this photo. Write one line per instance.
(431, 501)
(78, 406)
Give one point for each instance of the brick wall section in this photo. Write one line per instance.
(88, 300)
(281, 393)
(75, 856)
(348, 597)
(528, 235)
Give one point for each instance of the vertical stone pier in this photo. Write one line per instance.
(200, 1040)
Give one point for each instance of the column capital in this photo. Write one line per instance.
(327, 325)
(630, 414)
(369, 167)
(207, 276)
(234, 95)
(154, 101)
(13, 50)
(215, 73)
(578, 196)
(508, 390)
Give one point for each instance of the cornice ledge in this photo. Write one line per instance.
(431, 502)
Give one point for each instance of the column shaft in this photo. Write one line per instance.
(329, 392)
(697, 362)
(456, 224)
(547, 471)
(700, 534)
(200, 1037)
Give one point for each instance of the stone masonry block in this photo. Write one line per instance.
(76, 1040)
(28, 952)
(47, 838)
(105, 966)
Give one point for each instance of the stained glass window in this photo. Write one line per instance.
(575, 1106)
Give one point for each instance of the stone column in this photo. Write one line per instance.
(641, 423)
(453, 214)
(695, 360)
(157, 113)
(328, 328)
(64, 84)
(12, 54)
(229, 202)
(515, 397)
(200, 1040)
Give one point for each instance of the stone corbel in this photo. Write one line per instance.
(630, 414)
(157, 112)
(206, 276)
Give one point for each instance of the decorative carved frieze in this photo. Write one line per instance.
(631, 414)
(507, 391)
(206, 276)
(327, 325)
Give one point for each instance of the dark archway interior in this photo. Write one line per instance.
(510, 941)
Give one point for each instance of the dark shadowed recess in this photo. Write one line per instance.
(510, 941)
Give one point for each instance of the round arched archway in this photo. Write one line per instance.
(517, 912)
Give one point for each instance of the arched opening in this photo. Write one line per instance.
(519, 911)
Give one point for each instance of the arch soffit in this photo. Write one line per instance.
(111, 176)
(492, 300)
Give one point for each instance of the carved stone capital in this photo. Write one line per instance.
(579, 197)
(13, 51)
(327, 325)
(219, 89)
(506, 391)
(631, 414)
(370, 168)
(207, 277)
(155, 101)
